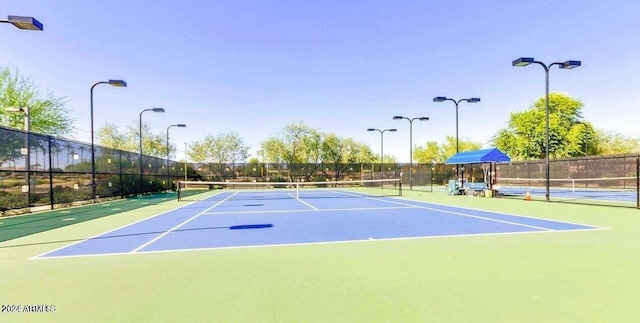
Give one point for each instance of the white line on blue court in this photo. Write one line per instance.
(181, 224)
(307, 204)
(106, 232)
(457, 213)
(511, 214)
(310, 243)
(315, 210)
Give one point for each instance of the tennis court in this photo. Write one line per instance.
(614, 190)
(256, 217)
(238, 255)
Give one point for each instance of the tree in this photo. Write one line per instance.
(428, 154)
(340, 153)
(216, 152)
(299, 147)
(48, 114)
(110, 136)
(153, 145)
(10, 145)
(302, 151)
(440, 153)
(525, 135)
(615, 143)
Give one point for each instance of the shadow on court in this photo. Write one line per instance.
(20, 226)
(107, 236)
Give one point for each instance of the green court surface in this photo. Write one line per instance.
(20, 226)
(571, 276)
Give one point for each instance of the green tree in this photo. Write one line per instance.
(299, 147)
(48, 113)
(441, 152)
(525, 135)
(153, 144)
(615, 143)
(344, 153)
(302, 151)
(217, 152)
(429, 153)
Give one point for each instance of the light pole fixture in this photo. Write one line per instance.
(524, 61)
(457, 102)
(411, 144)
(114, 83)
(27, 151)
(382, 131)
(28, 23)
(179, 125)
(140, 137)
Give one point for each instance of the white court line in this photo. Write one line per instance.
(305, 203)
(458, 213)
(107, 232)
(118, 228)
(310, 243)
(496, 212)
(181, 224)
(318, 210)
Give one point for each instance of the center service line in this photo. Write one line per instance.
(181, 224)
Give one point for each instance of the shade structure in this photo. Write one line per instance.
(489, 155)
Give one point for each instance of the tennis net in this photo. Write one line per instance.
(197, 190)
(608, 188)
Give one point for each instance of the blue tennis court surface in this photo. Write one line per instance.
(250, 219)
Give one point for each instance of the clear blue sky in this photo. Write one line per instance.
(251, 67)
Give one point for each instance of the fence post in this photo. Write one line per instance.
(121, 184)
(50, 173)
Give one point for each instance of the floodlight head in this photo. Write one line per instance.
(423, 118)
(117, 83)
(473, 100)
(16, 109)
(440, 99)
(523, 61)
(181, 125)
(371, 129)
(570, 65)
(28, 23)
(392, 130)
(398, 117)
(157, 109)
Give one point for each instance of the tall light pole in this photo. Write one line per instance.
(185, 161)
(469, 100)
(28, 23)
(382, 131)
(179, 125)
(411, 144)
(143, 111)
(524, 61)
(27, 149)
(114, 83)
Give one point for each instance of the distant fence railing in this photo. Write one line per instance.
(601, 180)
(60, 173)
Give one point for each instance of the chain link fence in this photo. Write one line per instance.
(60, 174)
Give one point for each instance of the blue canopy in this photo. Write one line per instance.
(490, 155)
